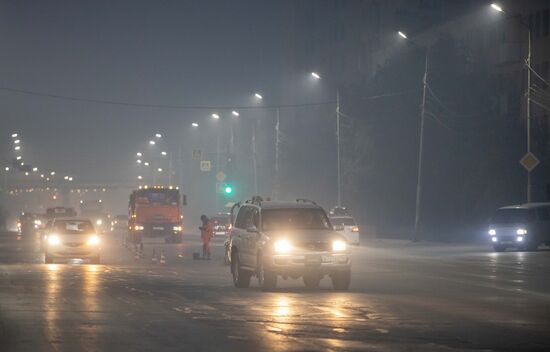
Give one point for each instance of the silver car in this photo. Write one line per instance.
(70, 238)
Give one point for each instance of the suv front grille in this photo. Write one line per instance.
(314, 246)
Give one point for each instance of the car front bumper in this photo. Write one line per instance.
(297, 264)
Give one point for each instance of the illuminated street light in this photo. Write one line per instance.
(163, 153)
(152, 142)
(158, 135)
(215, 116)
(139, 154)
(235, 113)
(139, 177)
(497, 7)
(52, 173)
(7, 168)
(315, 75)
(17, 141)
(159, 169)
(26, 173)
(14, 135)
(18, 147)
(19, 157)
(34, 169)
(258, 96)
(194, 124)
(70, 178)
(402, 35)
(41, 175)
(146, 163)
(138, 161)
(66, 177)
(47, 178)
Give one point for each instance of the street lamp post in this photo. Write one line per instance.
(498, 8)
(338, 165)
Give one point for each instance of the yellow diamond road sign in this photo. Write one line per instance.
(529, 161)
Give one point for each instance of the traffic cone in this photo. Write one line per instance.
(162, 258)
(154, 260)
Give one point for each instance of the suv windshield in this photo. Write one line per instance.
(343, 221)
(296, 219)
(513, 216)
(73, 227)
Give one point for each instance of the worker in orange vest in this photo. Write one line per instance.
(207, 233)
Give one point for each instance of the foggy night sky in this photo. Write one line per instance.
(158, 52)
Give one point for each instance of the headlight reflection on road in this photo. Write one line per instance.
(281, 307)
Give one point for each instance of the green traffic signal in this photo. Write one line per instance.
(228, 189)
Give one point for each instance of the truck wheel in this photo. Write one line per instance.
(341, 280)
(311, 281)
(266, 279)
(498, 247)
(241, 278)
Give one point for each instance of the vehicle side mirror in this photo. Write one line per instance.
(338, 227)
(252, 229)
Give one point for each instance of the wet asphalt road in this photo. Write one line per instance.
(404, 297)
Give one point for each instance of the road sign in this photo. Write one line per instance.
(529, 161)
(197, 154)
(220, 186)
(206, 166)
(220, 176)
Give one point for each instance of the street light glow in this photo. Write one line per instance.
(7, 168)
(146, 163)
(52, 173)
(139, 154)
(163, 153)
(70, 178)
(18, 158)
(34, 169)
(402, 35)
(194, 124)
(215, 116)
(17, 141)
(159, 169)
(497, 7)
(139, 177)
(315, 75)
(17, 147)
(235, 113)
(158, 135)
(258, 95)
(14, 135)
(66, 177)
(138, 161)
(152, 142)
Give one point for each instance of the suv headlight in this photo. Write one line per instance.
(54, 240)
(339, 246)
(521, 232)
(492, 232)
(282, 246)
(93, 240)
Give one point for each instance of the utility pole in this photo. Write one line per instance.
(420, 152)
(277, 156)
(529, 193)
(255, 157)
(338, 176)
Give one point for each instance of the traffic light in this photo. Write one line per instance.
(228, 190)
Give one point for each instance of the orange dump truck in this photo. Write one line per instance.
(154, 212)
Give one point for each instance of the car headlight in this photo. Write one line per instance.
(93, 240)
(177, 228)
(99, 222)
(339, 245)
(494, 239)
(38, 222)
(54, 240)
(492, 232)
(138, 227)
(282, 246)
(521, 232)
(355, 229)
